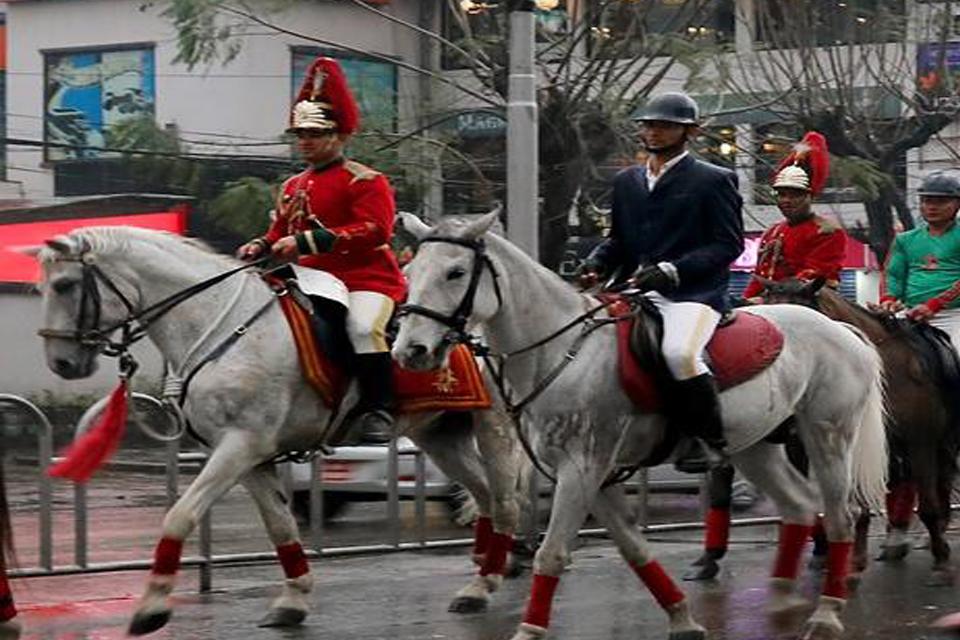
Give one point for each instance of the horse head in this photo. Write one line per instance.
(792, 291)
(452, 288)
(79, 301)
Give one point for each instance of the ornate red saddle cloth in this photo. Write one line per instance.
(738, 351)
(458, 386)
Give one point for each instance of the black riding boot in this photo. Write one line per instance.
(697, 411)
(372, 422)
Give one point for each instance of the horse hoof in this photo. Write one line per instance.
(283, 617)
(689, 634)
(466, 604)
(142, 624)
(820, 631)
(706, 570)
(941, 578)
(893, 553)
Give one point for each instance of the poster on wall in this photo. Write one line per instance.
(938, 76)
(87, 92)
(373, 82)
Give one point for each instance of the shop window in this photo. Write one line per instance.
(623, 29)
(87, 92)
(788, 24)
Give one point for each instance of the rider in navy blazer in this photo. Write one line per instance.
(677, 228)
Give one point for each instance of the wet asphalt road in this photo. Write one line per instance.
(404, 597)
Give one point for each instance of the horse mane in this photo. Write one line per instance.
(108, 240)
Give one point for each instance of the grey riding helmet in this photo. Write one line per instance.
(940, 184)
(671, 107)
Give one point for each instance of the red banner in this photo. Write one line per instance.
(17, 239)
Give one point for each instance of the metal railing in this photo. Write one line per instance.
(205, 561)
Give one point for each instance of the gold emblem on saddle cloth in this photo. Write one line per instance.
(445, 381)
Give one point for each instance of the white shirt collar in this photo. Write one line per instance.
(669, 164)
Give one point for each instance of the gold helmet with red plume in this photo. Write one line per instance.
(807, 166)
(324, 102)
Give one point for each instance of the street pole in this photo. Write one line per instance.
(522, 154)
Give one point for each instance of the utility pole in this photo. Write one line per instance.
(523, 213)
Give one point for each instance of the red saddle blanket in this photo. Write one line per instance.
(737, 352)
(458, 386)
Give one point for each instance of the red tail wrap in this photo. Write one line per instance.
(661, 585)
(793, 538)
(293, 559)
(718, 529)
(93, 448)
(482, 532)
(166, 557)
(838, 568)
(496, 559)
(541, 599)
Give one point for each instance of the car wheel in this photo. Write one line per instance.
(333, 506)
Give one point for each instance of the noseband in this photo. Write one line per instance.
(457, 321)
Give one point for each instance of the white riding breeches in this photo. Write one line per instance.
(949, 321)
(367, 321)
(687, 329)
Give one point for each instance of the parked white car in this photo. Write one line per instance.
(359, 474)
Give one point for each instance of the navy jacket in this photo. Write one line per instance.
(692, 218)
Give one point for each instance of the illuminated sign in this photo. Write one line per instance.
(17, 266)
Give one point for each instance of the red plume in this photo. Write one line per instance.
(325, 82)
(812, 155)
(93, 448)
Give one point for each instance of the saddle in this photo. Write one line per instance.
(325, 357)
(742, 346)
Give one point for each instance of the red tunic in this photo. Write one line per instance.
(811, 249)
(355, 203)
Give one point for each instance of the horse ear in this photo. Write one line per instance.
(61, 244)
(32, 250)
(414, 225)
(814, 286)
(482, 224)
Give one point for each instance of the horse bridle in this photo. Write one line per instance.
(458, 319)
(134, 327)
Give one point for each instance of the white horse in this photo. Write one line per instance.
(251, 402)
(584, 426)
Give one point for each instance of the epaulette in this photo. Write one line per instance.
(360, 171)
(826, 225)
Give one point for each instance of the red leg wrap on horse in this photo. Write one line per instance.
(793, 538)
(7, 610)
(900, 502)
(482, 532)
(293, 559)
(662, 586)
(496, 559)
(166, 557)
(718, 529)
(838, 568)
(541, 599)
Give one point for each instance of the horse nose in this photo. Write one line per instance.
(417, 350)
(64, 367)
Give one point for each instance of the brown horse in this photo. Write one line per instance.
(923, 426)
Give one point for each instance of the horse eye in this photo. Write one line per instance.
(456, 273)
(64, 286)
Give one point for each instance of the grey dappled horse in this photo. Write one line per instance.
(583, 426)
(251, 402)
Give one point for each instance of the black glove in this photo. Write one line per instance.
(652, 278)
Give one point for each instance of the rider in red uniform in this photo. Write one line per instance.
(338, 216)
(804, 245)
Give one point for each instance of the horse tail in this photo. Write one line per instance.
(870, 454)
